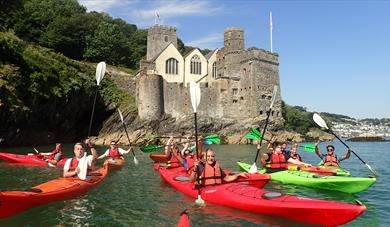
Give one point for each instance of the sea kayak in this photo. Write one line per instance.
(250, 198)
(159, 158)
(14, 202)
(184, 220)
(312, 180)
(27, 159)
(115, 163)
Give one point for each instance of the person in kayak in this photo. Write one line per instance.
(278, 161)
(210, 172)
(71, 168)
(330, 158)
(115, 152)
(294, 153)
(54, 156)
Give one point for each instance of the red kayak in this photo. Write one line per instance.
(313, 169)
(247, 197)
(14, 202)
(159, 158)
(115, 164)
(184, 221)
(27, 159)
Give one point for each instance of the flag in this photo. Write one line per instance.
(156, 18)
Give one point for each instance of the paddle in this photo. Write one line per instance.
(253, 168)
(36, 151)
(195, 100)
(127, 134)
(320, 122)
(100, 71)
(152, 148)
(308, 147)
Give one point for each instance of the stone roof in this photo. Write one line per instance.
(208, 56)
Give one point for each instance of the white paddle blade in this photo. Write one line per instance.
(100, 71)
(120, 114)
(273, 96)
(83, 166)
(200, 202)
(135, 160)
(319, 121)
(253, 169)
(195, 95)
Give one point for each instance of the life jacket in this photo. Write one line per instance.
(190, 164)
(211, 175)
(114, 153)
(331, 160)
(296, 156)
(73, 164)
(54, 152)
(276, 161)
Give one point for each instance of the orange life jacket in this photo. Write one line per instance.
(114, 153)
(54, 152)
(331, 160)
(276, 161)
(190, 165)
(211, 175)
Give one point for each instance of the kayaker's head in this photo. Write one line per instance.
(330, 149)
(113, 144)
(186, 153)
(277, 148)
(78, 150)
(293, 150)
(210, 156)
(284, 146)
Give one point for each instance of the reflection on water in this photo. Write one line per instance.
(135, 195)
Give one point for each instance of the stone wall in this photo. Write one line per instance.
(159, 37)
(149, 97)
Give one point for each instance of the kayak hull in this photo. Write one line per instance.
(14, 202)
(159, 158)
(249, 198)
(312, 180)
(27, 159)
(117, 163)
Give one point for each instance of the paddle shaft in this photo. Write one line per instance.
(347, 147)
(261, 139)
(127, 135)
(93, 110)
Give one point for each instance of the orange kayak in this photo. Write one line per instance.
(14, 202)
(115, 164)
(159, 158)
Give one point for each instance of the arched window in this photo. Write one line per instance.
(196, 65)
(171, 66)
(214, 71)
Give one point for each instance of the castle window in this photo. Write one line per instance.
(269, 97)
(244, 71)
(171, 66)
(214, 70)
(261, 112)
(235, 100)
(277, 114)
(263, 96)
(196, 65)
(242, 98)
(272, 113)
(166, 38)
(235, 91)
(206, 84)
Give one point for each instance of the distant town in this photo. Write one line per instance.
(361, 128)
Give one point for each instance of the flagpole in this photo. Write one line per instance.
(270, 25)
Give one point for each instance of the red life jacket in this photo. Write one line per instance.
(73, 164)
(276, 161)
(190, 165)
(53, 154)
(331, 160)
(211, 175)
(114, 153)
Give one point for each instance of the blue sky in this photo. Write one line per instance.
(334, 55)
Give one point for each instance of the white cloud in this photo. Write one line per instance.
(210, 41)
(101, 5)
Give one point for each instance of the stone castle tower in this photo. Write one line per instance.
(238, 83)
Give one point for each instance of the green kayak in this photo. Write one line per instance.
(312, 180)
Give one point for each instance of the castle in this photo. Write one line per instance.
(236, 83)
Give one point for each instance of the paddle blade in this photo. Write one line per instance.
(273, 96)
(100, 71)
(200, 202)
(212, 136)
(135, 160)
(256, 132)
(253, 169)
(150, 148)
(120, 115)
(308, 147)
(207, 142)
(319, 121)
(195, 95)
(372, 170)
(251, 137)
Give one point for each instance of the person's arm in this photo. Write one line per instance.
(104, 155)
(92, 148)
(317, 151)
(230, 178)
(297, 162)
(123, 152)
(195, 171)
(347, 155)
(264, 158)
(168, 147)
